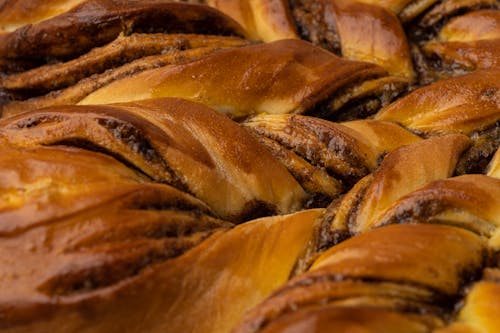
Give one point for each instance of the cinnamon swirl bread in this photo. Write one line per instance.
(243, 166)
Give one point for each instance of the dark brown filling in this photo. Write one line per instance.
(428, 69)
(310, 20)
(476, 158)
(329, 237)
(354, 169)
(84, 87)
(132, 137)
(423, 29)
(317, 197)
(423, 211)
(115, 268)
(83, 28)
(37, 120)
(357, 107)
(431, 68)
(123, 50)
(125, 250)
(439, 305)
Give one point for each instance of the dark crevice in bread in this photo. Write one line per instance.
(356, 107)
(484, 145)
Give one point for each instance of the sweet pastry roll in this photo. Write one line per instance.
(446, 9)
(470, 201)
(469, 42)
(357, 31)
(38, 184)
(287, 76)
(97, 22)
(175, 142)
(174, 276)
(476, 25)
(465, 104)
(466, 56)
(441, 49)
(336, 92)
(437, 14)
(399, 273)
(16, 103)
(128, 217)
(346, 319)
(327, 158)
(328, 146)
(402, 171)
(121, 51)
(383, 136)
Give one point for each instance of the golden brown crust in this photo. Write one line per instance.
(468, 42)
(481, 54)
(357, 31)
(176, 142)
(399, 269)
(331, 291)
(182, 294)
(84, 87)
(470, 201)
(96, 22)
(122, 50)
(463, 104)
(369, 33)
(327, 158)
(266, 20)
(476, 25)
(287, 76)
(119, 217)
(40, 184)
(421, 247)
(345, 320)
(383, 136)
(402, 171)
(16, 13)
(445, 9)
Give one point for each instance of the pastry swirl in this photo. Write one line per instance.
(249, 166)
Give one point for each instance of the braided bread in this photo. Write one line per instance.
(249, 166)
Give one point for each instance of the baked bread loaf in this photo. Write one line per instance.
(249, 166)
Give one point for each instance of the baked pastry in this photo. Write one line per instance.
(249, 166)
